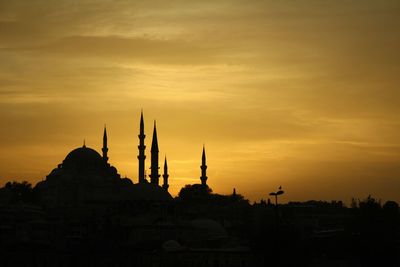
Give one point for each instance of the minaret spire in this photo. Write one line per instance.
(154, 176)
(142, 148)
(203, 168)
(105, 148)
(165, 175)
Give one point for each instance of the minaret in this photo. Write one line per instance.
(165, 175)
(142, 148)
(105, 148)
(203, 168)
(154, 176)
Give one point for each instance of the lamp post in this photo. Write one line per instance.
(276, 194)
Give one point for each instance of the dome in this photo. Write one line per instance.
(83, 158)
(171, 245)
(209, 228)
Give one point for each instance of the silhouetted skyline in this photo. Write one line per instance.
(199, 133)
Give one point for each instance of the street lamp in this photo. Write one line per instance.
(277, 238)
(276, 194)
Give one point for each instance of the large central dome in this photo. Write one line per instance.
(83, 158)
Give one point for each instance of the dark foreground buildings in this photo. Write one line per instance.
(84, 214)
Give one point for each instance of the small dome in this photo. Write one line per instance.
(209, 228)
(83, 158)
(171, 245)
(113, 170)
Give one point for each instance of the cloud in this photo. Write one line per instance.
(131, 49)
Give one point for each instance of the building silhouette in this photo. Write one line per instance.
(87, 178)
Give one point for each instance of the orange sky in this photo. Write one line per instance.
(303, 94)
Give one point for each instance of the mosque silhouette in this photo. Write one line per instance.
(87, 178)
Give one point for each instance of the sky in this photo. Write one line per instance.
(299, 94)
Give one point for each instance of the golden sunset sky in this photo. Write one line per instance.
(303, 94)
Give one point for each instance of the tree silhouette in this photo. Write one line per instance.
(20, 192)
(195, 192)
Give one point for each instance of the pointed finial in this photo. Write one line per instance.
(165, 175)
(105, 148)
(141, 123)
(154, 144)
(84, 143)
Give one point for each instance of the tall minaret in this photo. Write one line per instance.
(142, 148)
(203, 168)
(105, 148)
(154, 176)
(165, 175)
